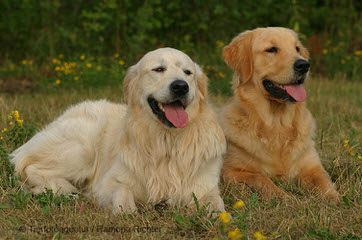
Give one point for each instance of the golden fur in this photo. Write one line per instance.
(121, 154)
(267, 137)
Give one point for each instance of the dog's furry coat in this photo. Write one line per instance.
(120, 154)
(269, 137)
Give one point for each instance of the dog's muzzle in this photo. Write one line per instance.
(171, 114)
(301, 66)
(179, 88)
(294, 91)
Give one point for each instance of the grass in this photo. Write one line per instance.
(336, 106)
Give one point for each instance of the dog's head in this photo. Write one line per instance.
(168, 85)
(273, 59)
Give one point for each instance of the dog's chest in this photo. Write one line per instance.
(282, 148)
(169, 178)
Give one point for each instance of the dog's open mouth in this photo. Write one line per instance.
(286, 92)
(171, 114)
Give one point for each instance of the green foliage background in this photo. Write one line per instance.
(41, 30)
(104, 26)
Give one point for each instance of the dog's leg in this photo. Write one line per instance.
(119, 196)
(313, 176)
(205, 187)
(317, 178)
(256, 181)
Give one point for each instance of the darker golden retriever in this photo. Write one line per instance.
(267, 124)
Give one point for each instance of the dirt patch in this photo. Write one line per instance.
(17, 84)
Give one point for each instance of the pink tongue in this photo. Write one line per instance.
(176, 114)
(297, 92)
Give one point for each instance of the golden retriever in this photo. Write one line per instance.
(267, 125)
(164, 145)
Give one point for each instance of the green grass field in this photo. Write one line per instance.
(336, 106)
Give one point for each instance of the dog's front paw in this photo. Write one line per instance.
(124, 207)
(123, 201)
(332, 196)
(216, 204)
(276, 193)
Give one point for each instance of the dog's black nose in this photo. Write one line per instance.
(179, 87)
(301, 66)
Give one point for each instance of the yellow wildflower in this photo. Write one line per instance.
(219, 44)
(57, 68)
(221, 74)
(296, 26)
(4, 130)
(61, 56)
(24, 62)
(20, 122)
(349, 150)
(11, 123)
(346, 143)
(120, 62)
(325, 51)
(89, 65)
(55, 61)
(343, 61)
(239, 204)
(236, 234)
(16, 114)
(225, 217)
(76, 78)
(57, 82)
(359, 157)
(99, 68)
(259, 236)
(358, 53)
(10, 117)
(82, 57)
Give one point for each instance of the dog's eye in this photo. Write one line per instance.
(159, 69)
(297, 48)
(187, 72)
(272, 50)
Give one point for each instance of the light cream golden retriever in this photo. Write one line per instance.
(267, 124)
(165, 144)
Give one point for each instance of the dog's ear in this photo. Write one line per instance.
(201, 81)
(131, 74)
(238, 55)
